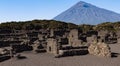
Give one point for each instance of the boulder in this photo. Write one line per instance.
(61, 52)
(99, 49)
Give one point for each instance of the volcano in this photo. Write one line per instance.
(85, 13)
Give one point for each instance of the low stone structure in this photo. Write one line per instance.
(52, 46)
(92, 39)
(37, 47)
(74, 40)
(102, 35)
(118, 34)
(3, 51)
(59, 41)
(99, 49)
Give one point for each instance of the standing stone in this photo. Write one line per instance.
(52, 46)
(99, 49)
(74, 40)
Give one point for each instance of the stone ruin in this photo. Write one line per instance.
(107, 36)
(118, 40)
(60, 42)
(99, 49)
(91, 39)
(65, 46)
(3, 51)
(74, 38)
(53, 46)
(118, 37)
(37, 47)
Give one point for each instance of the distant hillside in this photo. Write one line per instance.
(85, 13)
(37, 24)
(52, 24)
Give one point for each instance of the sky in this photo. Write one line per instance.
(24, 10)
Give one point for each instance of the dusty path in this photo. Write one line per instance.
(45, 59)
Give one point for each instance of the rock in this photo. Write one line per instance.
(35, 48)
(61, 52)
(3, 51)
(99, 49)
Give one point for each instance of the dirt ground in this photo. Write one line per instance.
(44, 59)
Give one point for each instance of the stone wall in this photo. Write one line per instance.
(52, 46)
(74, 38)
(92, 39)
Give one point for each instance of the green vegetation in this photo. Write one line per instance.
(86, 27)
(52, 24)
(108, 26)
(37, 24)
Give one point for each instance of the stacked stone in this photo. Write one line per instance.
(3, 51)
(35, 46)
(99, 49)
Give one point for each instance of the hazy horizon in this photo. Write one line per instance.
(22, 10)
